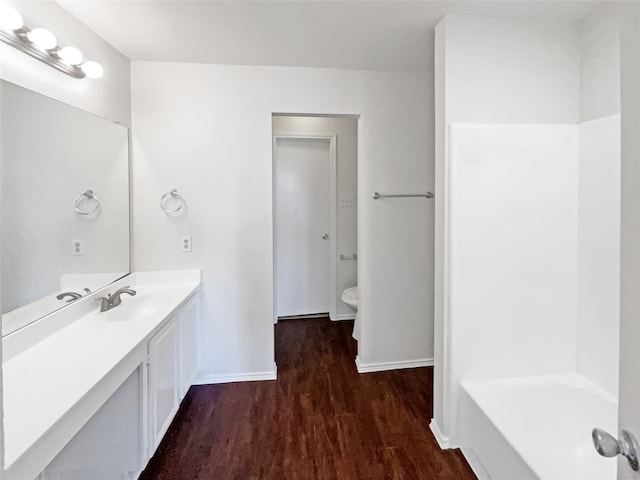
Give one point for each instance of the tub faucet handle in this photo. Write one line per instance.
(607, 446)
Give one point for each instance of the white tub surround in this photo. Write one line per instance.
(539, 87)
(527, 202)
(527, 240)
(56, 380)
(543, 261)
(512, 190)
(536, 428)
(599, 252)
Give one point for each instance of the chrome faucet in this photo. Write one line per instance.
(113, 299)
(73, 295)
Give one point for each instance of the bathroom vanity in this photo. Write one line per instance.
(90, 394)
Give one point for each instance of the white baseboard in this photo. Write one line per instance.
(384, 366)
(443, 442)
(475, 464)
(342, 316)
(204, 378)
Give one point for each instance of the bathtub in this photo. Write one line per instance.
(536, 428)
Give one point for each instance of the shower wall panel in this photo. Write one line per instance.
(512, 256)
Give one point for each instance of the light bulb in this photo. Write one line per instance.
(71, 55)
(92, 69)
(10, 19)
(42, 38)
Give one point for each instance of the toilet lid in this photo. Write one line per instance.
(351, 292)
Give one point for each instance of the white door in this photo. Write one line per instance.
(629, 394)
(629, 385)
(302, 225)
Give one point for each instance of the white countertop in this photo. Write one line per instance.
(18, 318)
(43, 383)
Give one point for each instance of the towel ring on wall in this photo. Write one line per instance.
(88, 195)
(173, 194)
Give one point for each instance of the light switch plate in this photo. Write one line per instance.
(77, 247)
(185, 243)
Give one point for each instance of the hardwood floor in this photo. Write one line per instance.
(320, 420)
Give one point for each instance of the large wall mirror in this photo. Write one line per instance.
(64, 199)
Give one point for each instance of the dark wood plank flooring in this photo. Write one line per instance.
(320, 420)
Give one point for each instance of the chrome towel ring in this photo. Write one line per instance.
(88, 196)
(173, 194)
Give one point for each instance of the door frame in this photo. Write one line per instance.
(332, 139)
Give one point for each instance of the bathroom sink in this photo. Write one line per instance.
(148, 301)
(133, 307)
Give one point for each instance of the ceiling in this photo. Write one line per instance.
(366, 35)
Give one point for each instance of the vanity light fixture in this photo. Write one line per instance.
(40, 43)
(71, 55)
(42, 38)
(92, 69)
(9, 18)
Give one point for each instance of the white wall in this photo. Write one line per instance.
(504, 70)
(492, 70)
(206, 130)
(107, 97)
(346, 130)
(600, 64)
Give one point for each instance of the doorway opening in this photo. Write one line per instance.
(314, 215)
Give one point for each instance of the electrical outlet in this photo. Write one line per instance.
(78, 247)
(348, 202)
(185, 243)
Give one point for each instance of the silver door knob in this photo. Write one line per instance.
(325, 236)
(607, 446)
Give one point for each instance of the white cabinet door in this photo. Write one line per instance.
(188, 351)
(163, 381)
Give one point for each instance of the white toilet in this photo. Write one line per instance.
(350, 296)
